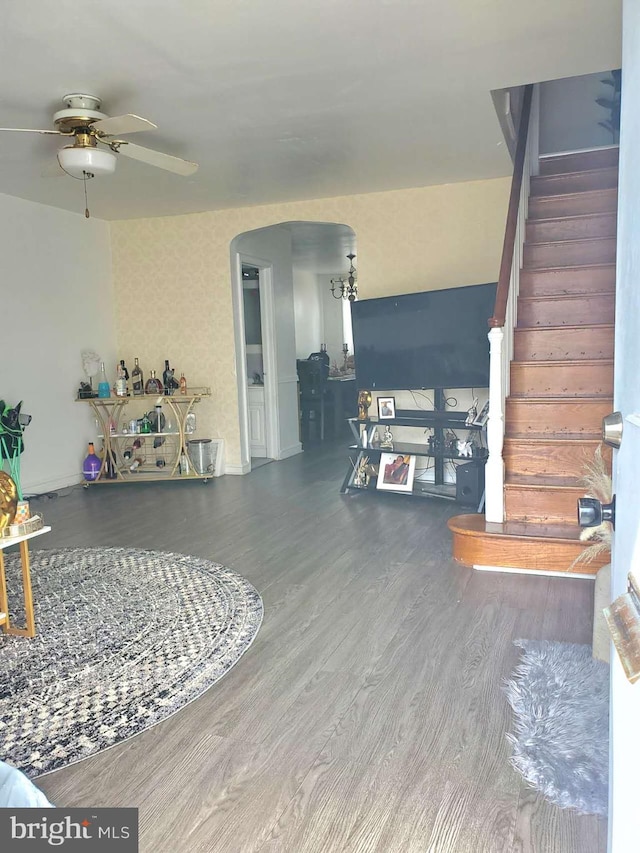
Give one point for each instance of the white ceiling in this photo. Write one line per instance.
(283, 100)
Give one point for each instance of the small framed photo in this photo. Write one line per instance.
(482, 417)
(386, 408)
(396, 472)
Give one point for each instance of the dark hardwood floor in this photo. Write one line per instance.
(369, 714)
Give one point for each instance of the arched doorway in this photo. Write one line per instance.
(280, 276)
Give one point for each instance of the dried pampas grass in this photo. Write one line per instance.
(597, 481)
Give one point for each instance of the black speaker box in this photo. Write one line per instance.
(470, 483)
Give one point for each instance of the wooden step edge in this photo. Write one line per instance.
(540, 548)
(579, 240)
(560, 441)
(572, 217)
(577, 268)
(571, 436)
(564, 297)
(558, 401)
(593, 326)
(573, 195)
(597, 171)
(535, 482)
(569, 362)
(476, 525)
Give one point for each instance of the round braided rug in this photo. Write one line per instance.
(125, 639)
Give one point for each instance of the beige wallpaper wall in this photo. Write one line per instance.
(173, 286)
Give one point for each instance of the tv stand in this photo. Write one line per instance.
(436, 422)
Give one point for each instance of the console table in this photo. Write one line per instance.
(22, 541)
(436, 422)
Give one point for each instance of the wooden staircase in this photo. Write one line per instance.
(562, 370)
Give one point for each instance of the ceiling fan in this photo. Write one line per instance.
(87, 127)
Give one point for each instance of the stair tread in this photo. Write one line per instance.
(476, 525)
(564, 297)
(597, 171)
(564, 328)
(528, 481)
(592, 362)
(570, 241)
(559, 440)
(554, 401)
(571, 217)
(578, 194)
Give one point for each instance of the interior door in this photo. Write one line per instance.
(624, 815)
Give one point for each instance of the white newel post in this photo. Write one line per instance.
(494, 470)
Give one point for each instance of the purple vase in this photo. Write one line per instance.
(91, 465)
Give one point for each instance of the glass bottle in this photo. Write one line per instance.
(92, 464)
(153, 386)
(183, 385)
(137, 379)
(168, 378)
(121, 379)
(104, 389)
(145, 426)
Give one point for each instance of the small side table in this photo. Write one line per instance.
(5, 542)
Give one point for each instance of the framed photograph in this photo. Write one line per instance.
(482, 417)
(386, 408)
(396, 472)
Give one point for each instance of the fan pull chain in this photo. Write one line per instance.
(86, 175)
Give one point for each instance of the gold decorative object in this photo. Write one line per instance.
(8, 500)
(364, 401)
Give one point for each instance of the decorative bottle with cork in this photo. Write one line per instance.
(183, 385)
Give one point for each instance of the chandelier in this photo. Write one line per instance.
(345, 287)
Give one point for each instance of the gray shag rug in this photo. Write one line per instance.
(560, 700)
(125, 639)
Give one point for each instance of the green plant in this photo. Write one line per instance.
(611, 103)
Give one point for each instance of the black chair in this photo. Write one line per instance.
(314, 400)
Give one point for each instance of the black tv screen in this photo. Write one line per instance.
(434, 339)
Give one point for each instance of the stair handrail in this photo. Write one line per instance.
(503, 321)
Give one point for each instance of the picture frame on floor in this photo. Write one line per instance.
(396, 472)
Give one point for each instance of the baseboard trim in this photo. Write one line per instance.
(290, 451)
(238, 470)
(52, 485)
(513, 571)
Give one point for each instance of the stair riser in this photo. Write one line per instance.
(569, 254)
(573, 204)
(550, 459)
(541, 506)
(563, 344)
(571, 228)
(554, 380)
(567, 281)
(583, 310)
(579, 419)
(523, 554)
(600, 158)
(600, 179)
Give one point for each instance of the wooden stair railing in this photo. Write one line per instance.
(504, 314)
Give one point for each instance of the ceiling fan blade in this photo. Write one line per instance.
(157, 158)
(33, 130)
(119, 125)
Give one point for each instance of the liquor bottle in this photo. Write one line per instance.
(137, 462)
(183, 385)
(92, 464)
(104, 389)
(153, 386)
(168, 378)
(145, 426)
(137, 380)
(185, 468)
(121, 382)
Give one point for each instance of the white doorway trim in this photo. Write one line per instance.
(267, 320)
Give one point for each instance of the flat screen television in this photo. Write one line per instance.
(434, 339)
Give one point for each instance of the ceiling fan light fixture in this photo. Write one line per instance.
(77, 161)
